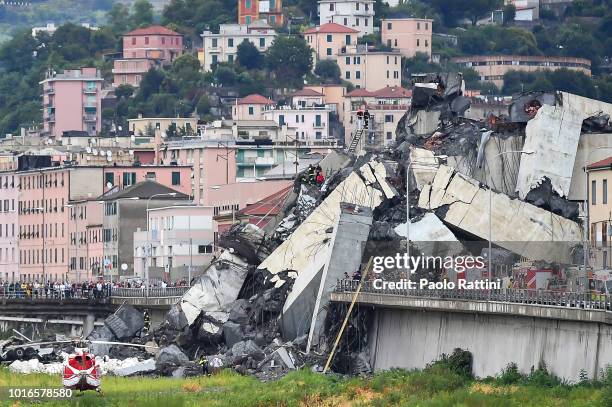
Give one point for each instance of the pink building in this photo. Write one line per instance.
(9, 227)
(144, 48)
(177, 177)
(72, 102)
(409, 35)
(251, 107)
(214, 176)
(85, 251)
(60, 221)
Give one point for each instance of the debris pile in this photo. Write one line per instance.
(263, 306)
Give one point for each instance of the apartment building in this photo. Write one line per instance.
(125, 212)
(179, 243)
(9, 226)
(85, 249)
(223, 46)
(357, 14)
(386, 107)
(600, 213)
(333, 95)
(72, 102)
(369, 68)
(327, 40)
(492, 68)
(143, 49)
(269, 10)
(251, 107)
(409, 35)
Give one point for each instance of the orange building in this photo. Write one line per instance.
(253, 10)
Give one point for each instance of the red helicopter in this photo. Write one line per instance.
(81, 371)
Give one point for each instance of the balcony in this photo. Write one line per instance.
(256, 161)
(90, 90)
(50, 91)
(51, 118)
(90, 117)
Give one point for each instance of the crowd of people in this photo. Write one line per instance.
(89, 289)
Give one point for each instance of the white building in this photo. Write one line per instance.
(223, 47)
(356, 14)
(50, 28)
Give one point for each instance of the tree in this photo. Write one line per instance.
(124, 91)
(150, 84)
(328, 69)
(290, 58)
(225, 75)
(142, 13)
(118, 18)
(509, 13)
(203, 106)
(249, 56)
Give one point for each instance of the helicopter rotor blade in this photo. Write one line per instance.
(137, 345)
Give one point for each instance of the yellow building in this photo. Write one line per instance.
(599, 176)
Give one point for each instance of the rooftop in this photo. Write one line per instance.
(331, 28)
(153, 30)
(271, 205)
(307, 92)
(255, 99)
(143, 190)
(602, 164)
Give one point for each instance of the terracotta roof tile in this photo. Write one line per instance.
(331, 28)
(255, 99)
(153, 30)
(606, 162)
(307, 92)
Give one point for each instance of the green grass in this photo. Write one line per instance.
(435, 386)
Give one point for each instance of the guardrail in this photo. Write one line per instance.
(155, 292)
(510, 295)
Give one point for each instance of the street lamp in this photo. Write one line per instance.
(149, 234)
(585, 220)
(490, 206)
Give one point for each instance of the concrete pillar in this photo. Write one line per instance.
(88, 324)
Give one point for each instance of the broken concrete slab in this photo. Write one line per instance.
(553, 135)
(348, 243)
(423, 166)
(145, 366)
(516, 225)
(431, 236)
(170, 356)
(125, 322)
(216, 288)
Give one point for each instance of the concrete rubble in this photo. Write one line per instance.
(262, 307)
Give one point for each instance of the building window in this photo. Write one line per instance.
(251, 110)
(427, 26)
(176, 178)
(418, 42)
(247, 19)
(604, 195)
(230, 42)
(248, 4)
(205, 249)
(164, 40)
(133, 40)
(348, 60)
(129, 178)
(347, 75)
(418, 26)
(357, 22)
(356, 6)
(230, 59)
(357, 74)
(389, 26)
(388, 118)
(109, 179)
(329, 51)
(389, 135)
(426, 43)
(605, 260)
(318, 120)
(214, 59)
(346, 21)
(146, 40)
(262, 42)
(395, 42)
(348, 40)
(331, 6)
(593, 193)
(214, 43)
(329, 38)
(281, 119)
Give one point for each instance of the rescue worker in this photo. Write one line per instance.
(366, 119)
(203, 362)
(359, 120)
(311, 174)
(147, 321)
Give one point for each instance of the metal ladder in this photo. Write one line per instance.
(355, 141)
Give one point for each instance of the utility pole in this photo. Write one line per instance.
(224, 157)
